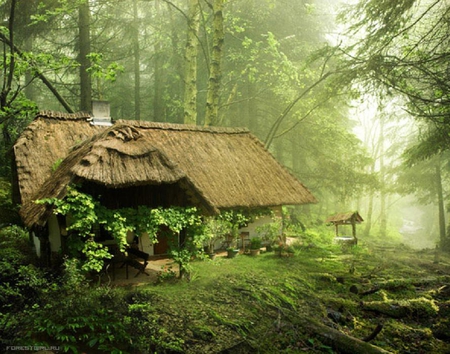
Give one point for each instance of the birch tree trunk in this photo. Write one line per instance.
(83, 58)
(190, 59)
(137, 63)
(158, 112)
(440, 197)
(212, 98)
(383, 216)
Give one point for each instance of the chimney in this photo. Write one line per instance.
(100, 113)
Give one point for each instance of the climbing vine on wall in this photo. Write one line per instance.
(85, 212)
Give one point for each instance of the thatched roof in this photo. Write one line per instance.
(43, 143)
(345, 218)
(224, 167)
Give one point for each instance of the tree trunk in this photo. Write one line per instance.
(190, 58)
(28, 47)
(369, 215)
(8, 65)
(383, 220)
(83, 58)
(158, 112)
(137, 63)
(212, 98)
(440, 197)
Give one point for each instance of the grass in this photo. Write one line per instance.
(263, 304)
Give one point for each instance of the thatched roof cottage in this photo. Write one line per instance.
(134, 163)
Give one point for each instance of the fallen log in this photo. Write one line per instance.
(343, 343)
(375, 332)
(370, 291)
(399, 284)
(420, 307)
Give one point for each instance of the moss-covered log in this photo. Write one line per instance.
(420, 307)
(343, 343)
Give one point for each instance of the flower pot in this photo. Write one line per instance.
(254, 252)
(232, 253)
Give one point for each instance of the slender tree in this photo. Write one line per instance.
(137, 62)
(190, 62)
(215, 74)
(440, 201)
(158, 111)
(84, 41)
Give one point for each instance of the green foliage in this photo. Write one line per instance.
(182, 256)
(84, 212)
(270, 232)
(269, 303)
(166, 273)
(20, 280)
(401, 55)
(255, 243)
(318, 237)
(143, 320)
(215, 230)
(101, 73)
(76, 315)
(96, 254)
(38, 309)
(8, 212)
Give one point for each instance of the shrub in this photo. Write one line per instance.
(20, 281)
(255, 243)
(75, 315)
(319, 237)
(8, 213)
(270, 232)
(146, 324)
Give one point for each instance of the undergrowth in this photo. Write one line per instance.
(263, 304)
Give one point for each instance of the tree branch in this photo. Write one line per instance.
(273, 130)
(38, 74)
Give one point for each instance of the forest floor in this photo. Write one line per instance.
(368, 299)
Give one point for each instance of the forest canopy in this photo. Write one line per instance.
(300, 75)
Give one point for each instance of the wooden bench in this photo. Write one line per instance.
(134, 259)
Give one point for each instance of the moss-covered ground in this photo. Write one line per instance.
(269, 304)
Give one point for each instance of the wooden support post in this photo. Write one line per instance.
(354, 231)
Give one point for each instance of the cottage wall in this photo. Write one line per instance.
(251, 228)
(36, 243)
(54, 233)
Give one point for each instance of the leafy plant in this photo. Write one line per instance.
(76, 315)
(215, 230)
(86, 212)
(270, 233)
(166, 273)
(182, 257)
(255, 243)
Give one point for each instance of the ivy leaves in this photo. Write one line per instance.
(84, 212)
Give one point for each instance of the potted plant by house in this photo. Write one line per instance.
(255, 246)
(214, 232)
(232, 252)
(270, 233)
(232, 220)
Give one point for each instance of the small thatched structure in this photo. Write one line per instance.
(157, 164)
(350, 218)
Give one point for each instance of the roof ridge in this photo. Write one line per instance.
(183, 127)
(62, 115)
